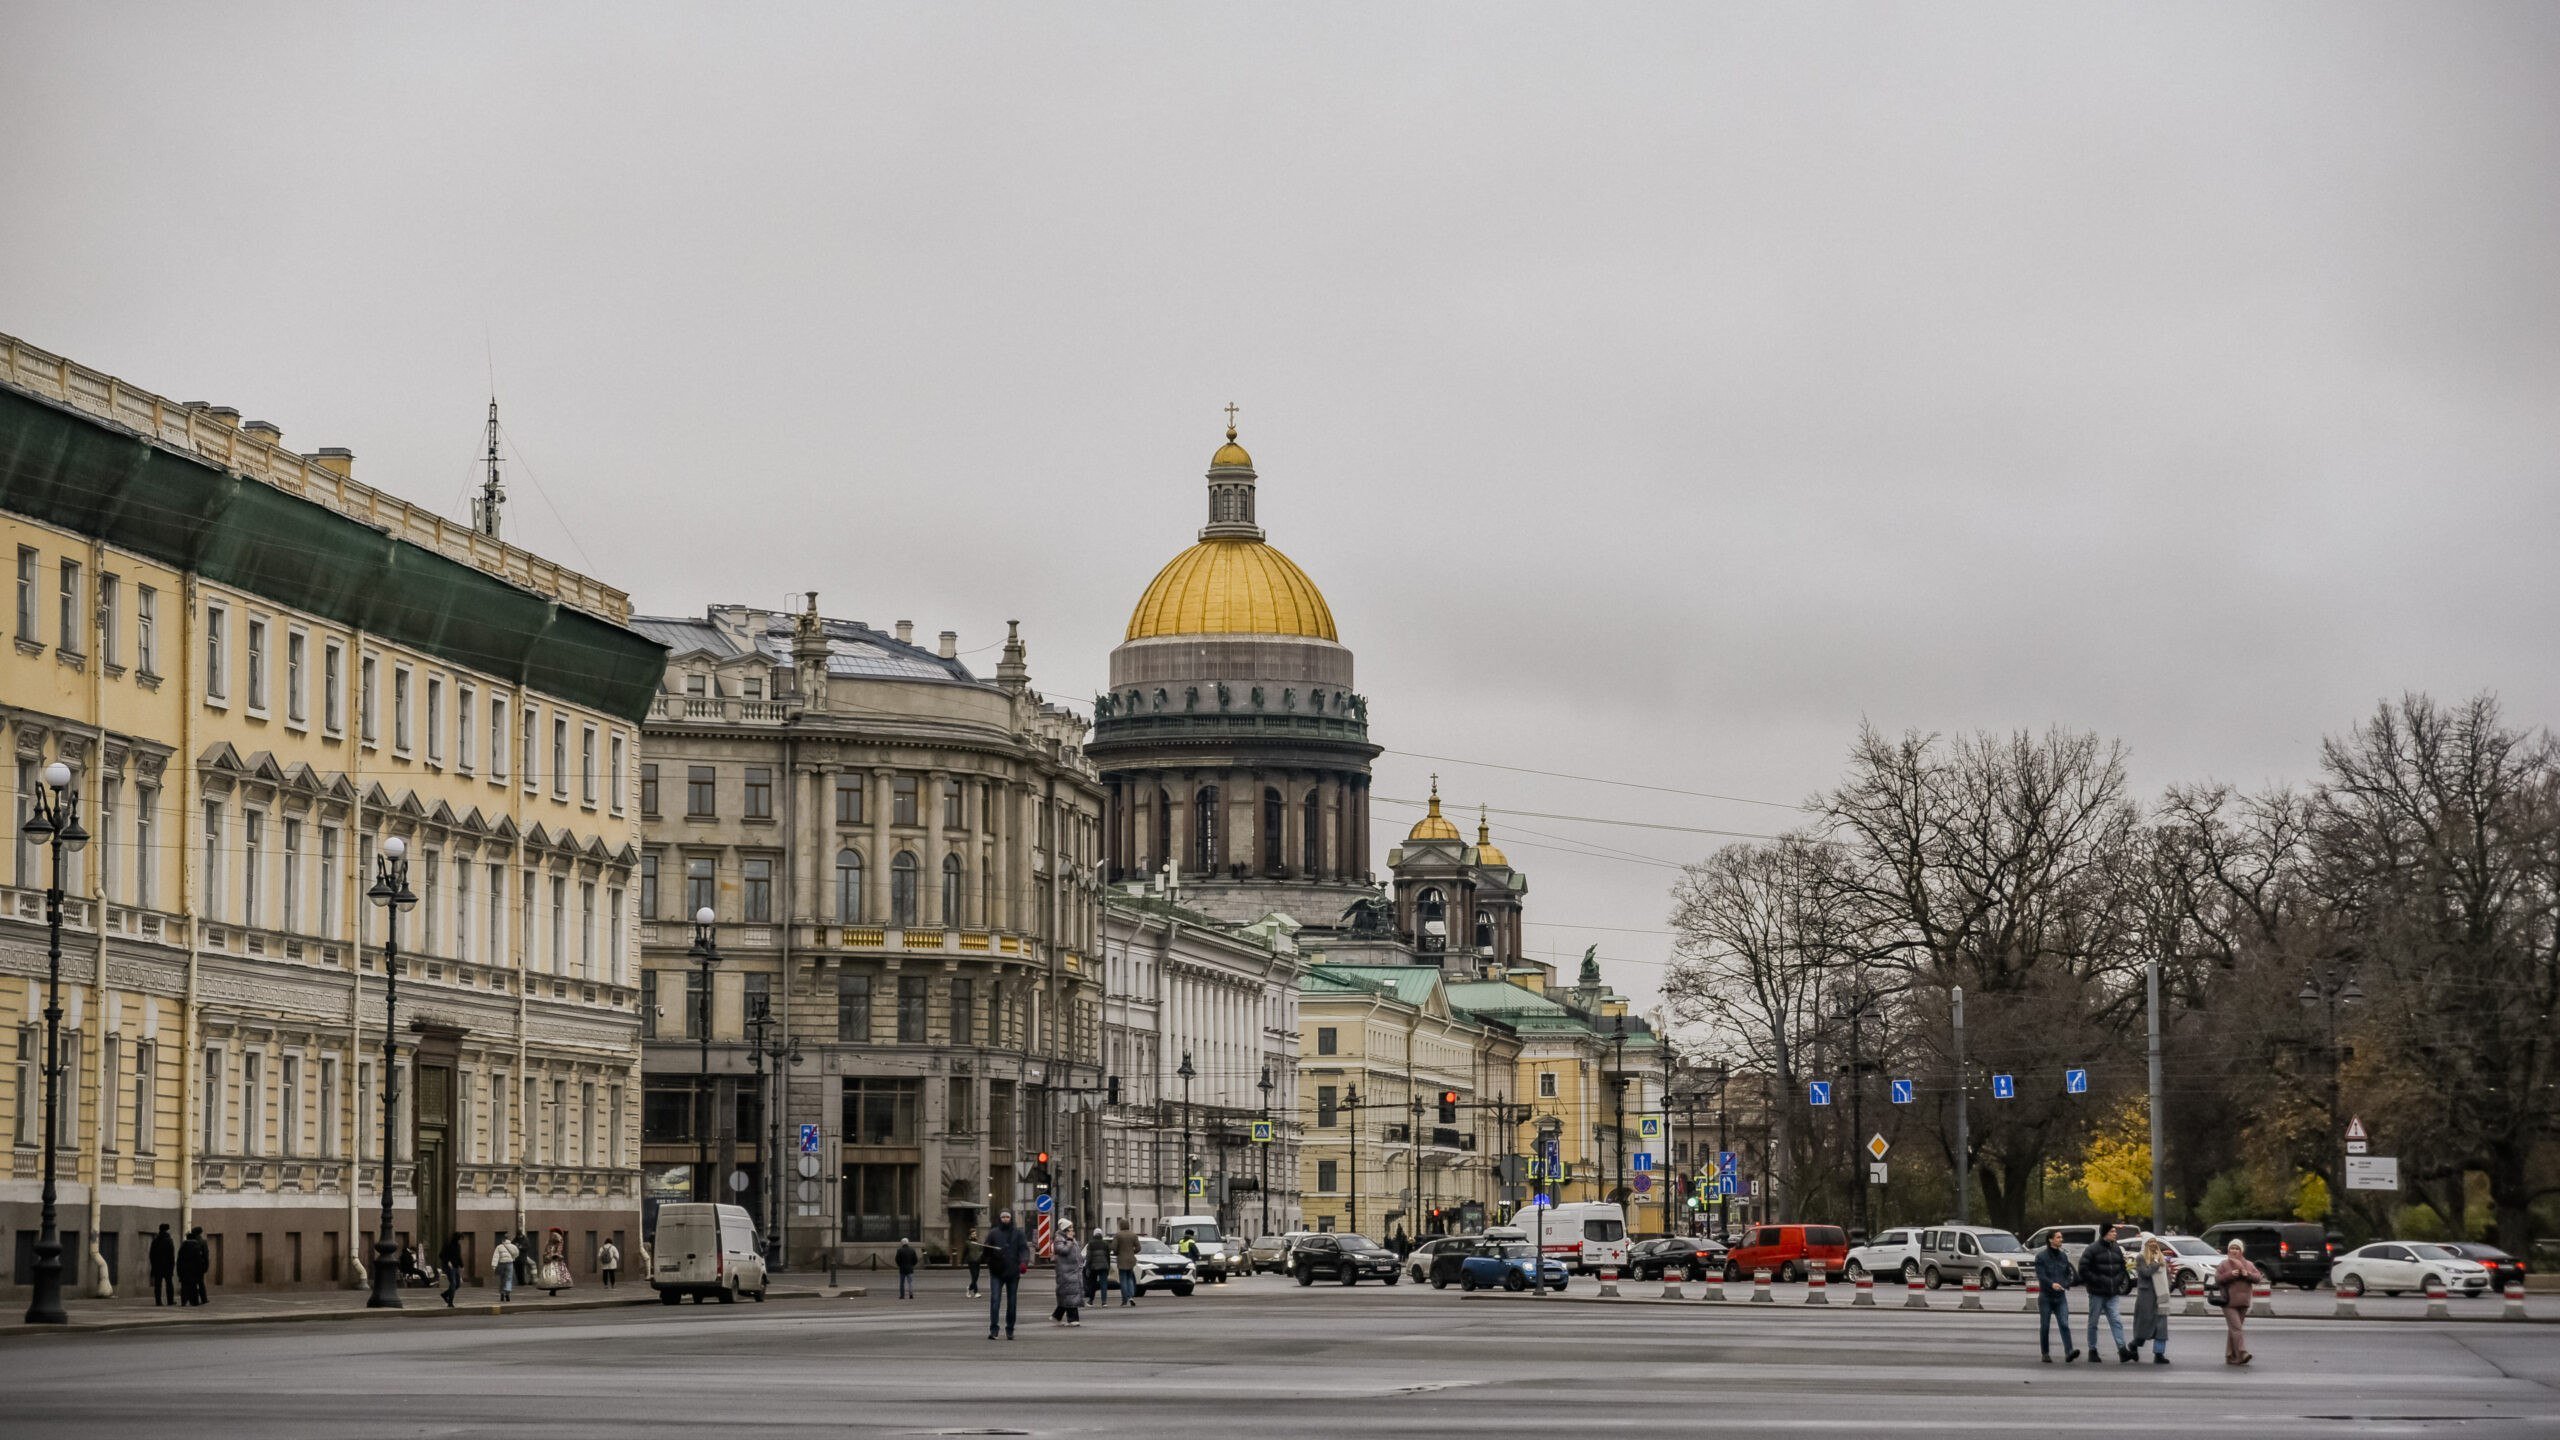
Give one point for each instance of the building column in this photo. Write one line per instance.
(929, 874)
(875, 878)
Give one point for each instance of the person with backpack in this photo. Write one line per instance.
(2104, 1276)
(2054, 1274)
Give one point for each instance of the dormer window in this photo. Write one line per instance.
(697, 684)
(753, 687)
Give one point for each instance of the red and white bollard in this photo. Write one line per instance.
(1609, 1281)
(1760, 1289)
(1715, 1286)
(2034, 1293)
(2348, 1294)
(1671, 1284)
(1866, 1288)
(2515, 1301)
(1917, 1296)
(2195, 1298)
(1972, 1293)
(2262, 1300)
(2436, 1308)
(1817, 1288)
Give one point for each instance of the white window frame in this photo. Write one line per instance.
(403, 692)
(333, 685)
(435, 720)
(146, 629)
(297, 678)
(253, 663)
(217, 669)
(369, 701)
(466, 707)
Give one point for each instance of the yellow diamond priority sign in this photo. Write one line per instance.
(1876, 1146)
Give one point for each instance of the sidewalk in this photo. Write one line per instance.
(127, 1312)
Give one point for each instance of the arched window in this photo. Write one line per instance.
(1207, 848)
(848, 887)
(1161, 838)
(950, 892)
(902, 889)
(1484, 932)
(1275, 814)
(1311, 832)
(1431, 921)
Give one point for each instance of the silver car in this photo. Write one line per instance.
(1949, 1253)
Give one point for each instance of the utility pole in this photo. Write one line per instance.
(1858, 1107)
(1724, 1201)
(1264, 1085)
(2151, 998)
(1351, 1099)
(485, 505)
(1964, 1161)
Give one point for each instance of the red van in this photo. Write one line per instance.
(1787, 1252)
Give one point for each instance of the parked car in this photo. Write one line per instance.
(2075, 1238)
(1894, 1254)
(1697, 1254)
(706, 1250)
(1788, 1251)
(1348, 1259)
(2504, 1269)
(1269, 1254)
(1949, 1253)
(1209, 1262)
(1418, 1264)
(1161, 1267)
(2291, 1252)
(1508, 1265)
(2393, 1266)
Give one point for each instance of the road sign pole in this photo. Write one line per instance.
(2151, 1004)
(1964, 1155)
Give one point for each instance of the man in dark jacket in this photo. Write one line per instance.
(1124, 1255)
(2103, 1275)
(194, 1259)
(164, 1268)
(450, 1260)
(906, 1258)
(1008, 1253)
(2054, 1275)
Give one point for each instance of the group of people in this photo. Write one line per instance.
(2102, 1273)
(178, 1267)
(1003, 1255)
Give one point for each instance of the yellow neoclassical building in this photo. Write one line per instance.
(258, 670)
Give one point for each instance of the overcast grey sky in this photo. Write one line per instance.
(1655, 392)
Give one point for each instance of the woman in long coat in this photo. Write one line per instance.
(2239, 1280)
(1067, 1254)
(2152, 1278)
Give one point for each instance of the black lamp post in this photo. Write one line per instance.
(706, 955)
(765, 1043)
(1351, 1102)
(1186, 1072)
(1264, 1085)
(2325, 990)
(391, 892)
(55, 824)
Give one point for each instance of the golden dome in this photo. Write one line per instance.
(1487, 853)
(1434, 826)
(1231, 456)
(1228, 585)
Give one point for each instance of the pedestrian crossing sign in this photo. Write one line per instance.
(1649, 1127)
(1197, 1188)
(1261, 1132)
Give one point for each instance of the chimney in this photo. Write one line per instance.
(949, 649)
(223, 415)
(338, 460)
(264, 430)
(1013, 672)
(906, 632)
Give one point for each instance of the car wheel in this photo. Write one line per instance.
(1732, 1273)
(1514, 1282)
(1990, 1281)
(1932, 1279)
(1467, 1284)
(669, 1297)
(1393, 1279)
(1910, 1271)
(2430, 1282)
(1854, 1273)
(2308, 1284)
(1350, 1275)
(1439, 1282)
(1306, 1275)
(728, 1296)
(1791, 1273)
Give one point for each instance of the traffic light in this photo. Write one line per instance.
(1448, 1107)
(1040, 1171)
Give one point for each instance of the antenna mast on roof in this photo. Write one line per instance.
(484, 506)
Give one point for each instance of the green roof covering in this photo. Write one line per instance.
(65, 469)
(1411, 984)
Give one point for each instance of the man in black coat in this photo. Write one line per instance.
(164, 1268)
(2053, 1276)
(194, 1259)
(450, 1260)
(1008, 1253)
(2103, 1275)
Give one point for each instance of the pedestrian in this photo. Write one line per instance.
(524, 1260)
(2237, 1277)
(2103, 1275)
(1067, 1256)
(2153, 1277)
(1008, 1253)
(1124, 1254)
(1097, 1270)
(907, 1258)
(502, 1263)
(2054, 1275)
(164, 1268)
(609, 1264)
(195, 1257)
(977, 1262)
(450, 1261)
(555, 1261)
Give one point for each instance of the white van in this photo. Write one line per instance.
(1587, 1235)
(706, 1250)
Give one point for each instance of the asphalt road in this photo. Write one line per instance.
(1262, 1358)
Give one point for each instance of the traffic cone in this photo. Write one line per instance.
(1671, 1285)
(2195, 1298)
(2348, 1295)
(1715, 1286)
(2262, 1300)
(1609, 1282)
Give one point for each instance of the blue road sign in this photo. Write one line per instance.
(1540, 1200)
(1649, 1127)
(808, 1139)
(1728, 1185)
(2075, 1082)
(1261, 1132)
(2004, 1087)
(1901, 1092)
(1197, 1188)
(1728, 1163)
(1640, 1162)
(1819, 1092)
(1044, 1203)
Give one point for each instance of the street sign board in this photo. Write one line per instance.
(2075, 1082)
(1540, 1200)
(1643, 1183)
(2355, 1127)
(1727, 1163)
(1901, 1092)
(1195, 1191)
(1640, 1162)
(1261, 1132)
(808, 1139)
(738, 1182)
(2004, 1087)
(808, 1167)
(1876, 1146)
(2358, 1147)
(808, 1192)
(1875, 1173)
(2373, 1172)
(1045, 1203)
(1648, 1127)
(1819, 1092)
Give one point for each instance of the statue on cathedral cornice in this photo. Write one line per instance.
(1371, 914)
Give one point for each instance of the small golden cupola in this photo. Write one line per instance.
(1487, 853)
(1434, 826)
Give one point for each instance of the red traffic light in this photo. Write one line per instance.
(1044, 1157)
(1448, 1097)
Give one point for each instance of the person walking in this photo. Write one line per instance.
(524, 1260)
(1097, 1270)
(164, 1268)
(195, 1257)
(1124, 1255)
(2237, 1277)
(449, 1260)
(2103, 1275)
(2153, 1278)
(555, 1261)
(1067, 1257)
(502, 1263)
(906, 1258)
(977, 1262)
(2054, 1274)
(609, 1264)
(1008, 1253)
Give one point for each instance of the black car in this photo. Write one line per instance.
(2290, 1252)
(2504, 1269)
(1697, 1254)
(1348, 1259)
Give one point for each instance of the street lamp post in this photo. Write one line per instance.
(1186, 1072)
(781, 1050)
(1351, 1102)
(2325, 990)
(1618, 1090)
(55, 824)
(390, 891)
(706, 954)
(1264, 1085)
(1724, 1201)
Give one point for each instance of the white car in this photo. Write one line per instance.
(1892, 1256)
(2392, 1266)
(2191, 1261)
